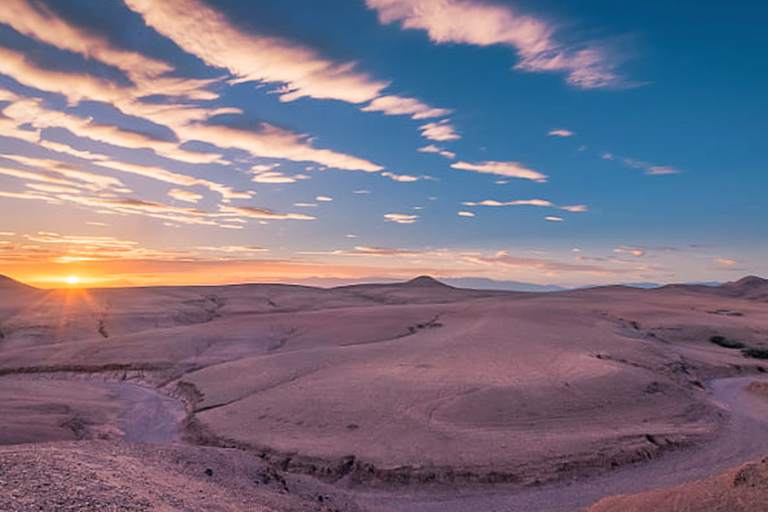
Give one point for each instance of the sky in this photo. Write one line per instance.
(225, 141)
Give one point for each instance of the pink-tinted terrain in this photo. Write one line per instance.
(410, 396)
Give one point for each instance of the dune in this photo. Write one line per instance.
(388, 385)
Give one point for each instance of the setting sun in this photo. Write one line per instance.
(73, 280)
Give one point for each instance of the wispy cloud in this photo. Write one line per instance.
(561, 133)
(175, 178)
(438, 150)
(277, 177)
(297, 71)
(232, 249)
(588, 64)
(507, 169)
(504, 258)
(63, 173)
(527, 202)
(439, 131)
(395, 105)
(405, 178)
(273, 142)
(649, 169)
(263, 213)
(184, 195)
(41, 23)
(400, 218)
(208, 34)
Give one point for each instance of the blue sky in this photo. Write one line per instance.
(192, 141)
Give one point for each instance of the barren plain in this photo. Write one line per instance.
(410, 396)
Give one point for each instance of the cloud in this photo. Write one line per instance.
(184, 195)
(273, 142)
(324, 198)
(404, 178)
(263, 168)
(528, 202)
(521, 202)
(41, 23)
(466, 214)
(62, 173)
(45, 247)
(658, 170)
(206, 33)
(52, 189)
(440, 151)
(395, 105)
(264, 173)
(32, 112)
(727, 262)
(175, 178)
(35, 176)
(400, 218)
(508, 169)
(277, 177)
(631, 249)
(554, 219)
(26, 195)
(561, 133)
(439, 131)
(503, 258)
(263, 213)
(75, 86)
(588, 65)
(383, 251)
(574, 208)
(649, 169)
(230, 249)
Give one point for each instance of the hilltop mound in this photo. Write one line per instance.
(9, 284)
(427, 281)
(750, 287)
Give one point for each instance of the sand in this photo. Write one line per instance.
(397, 388)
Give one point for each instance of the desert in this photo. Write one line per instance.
(391, 397)
(383, 256)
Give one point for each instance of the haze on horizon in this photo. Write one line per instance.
(219, 141)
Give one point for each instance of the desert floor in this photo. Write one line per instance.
(413, 396)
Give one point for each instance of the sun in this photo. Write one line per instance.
(73, 280)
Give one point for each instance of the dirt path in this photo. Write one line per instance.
(148, 416)
(743, 440)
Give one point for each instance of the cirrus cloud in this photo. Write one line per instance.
(507, 169)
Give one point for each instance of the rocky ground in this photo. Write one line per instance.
(406, 388)
(115, 476)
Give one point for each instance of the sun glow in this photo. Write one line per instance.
(73, 280)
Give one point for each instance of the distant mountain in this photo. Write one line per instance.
(482, 283)
(642, 285)
(474, 283)
(334, 282)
